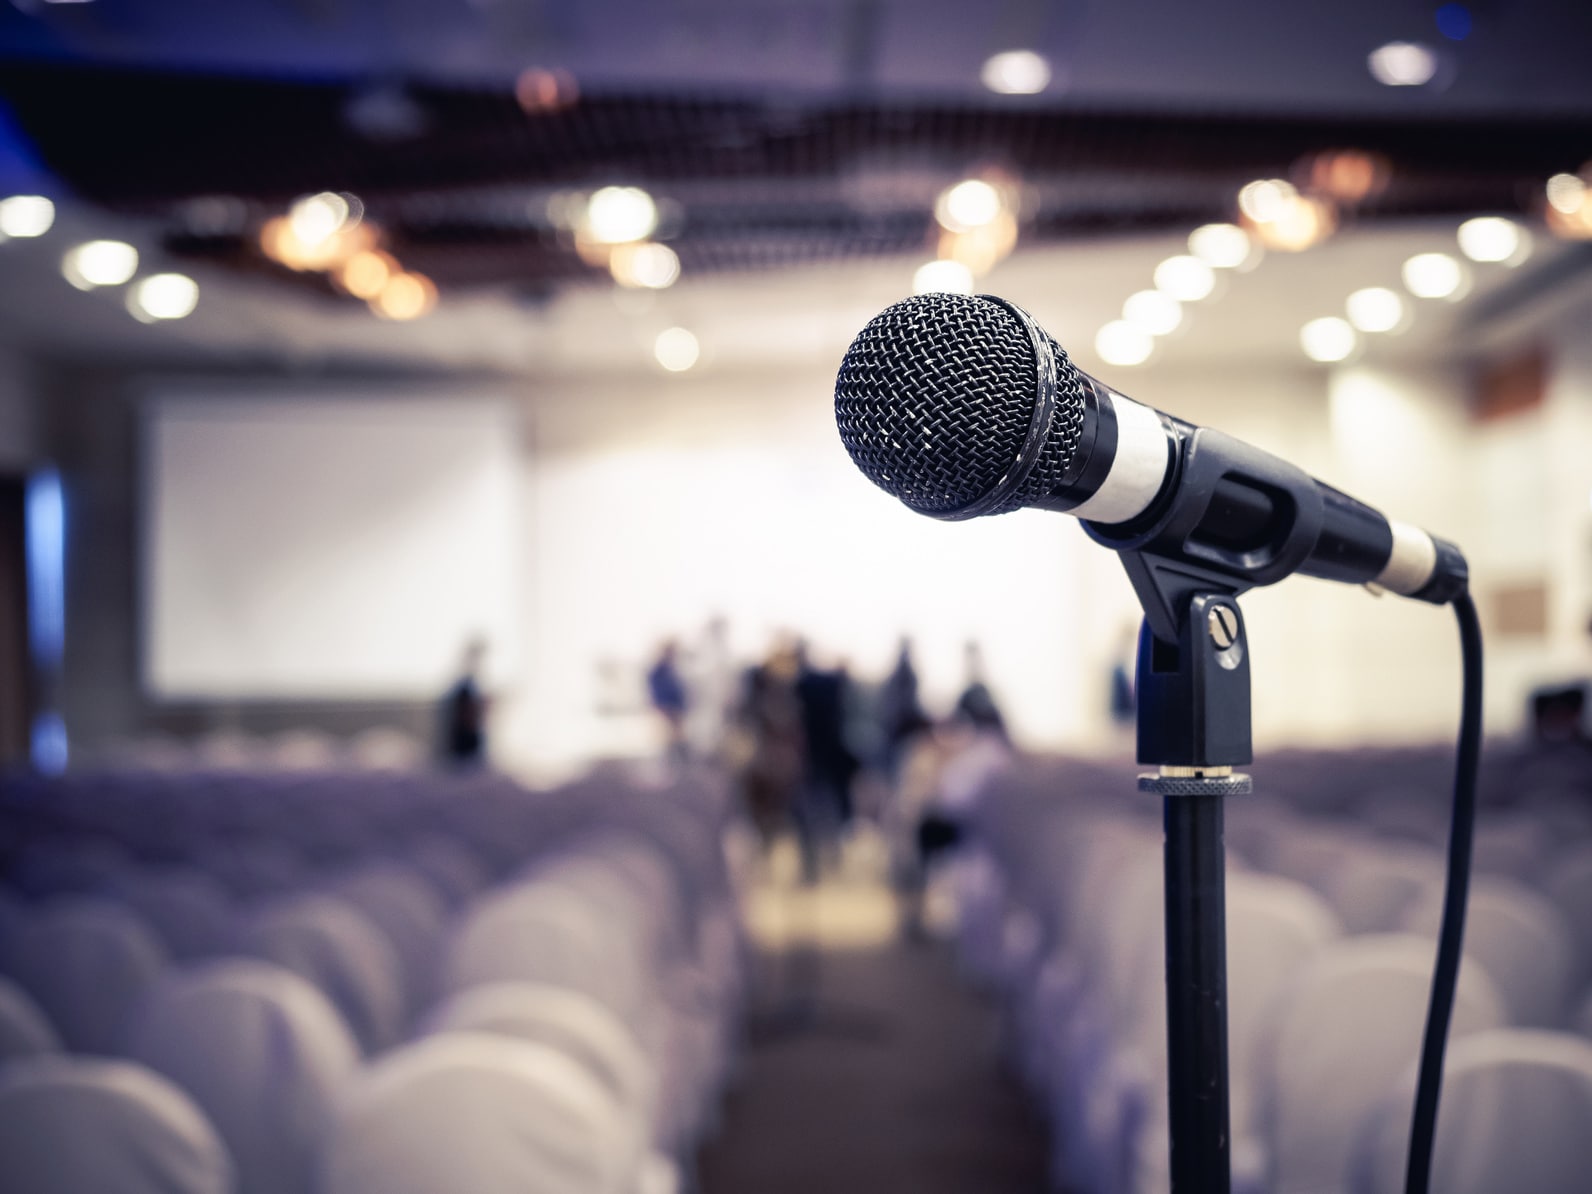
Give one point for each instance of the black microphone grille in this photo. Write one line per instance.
(936, 398)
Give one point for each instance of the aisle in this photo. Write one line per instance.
(872, 1068)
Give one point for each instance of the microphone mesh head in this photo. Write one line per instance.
(935, 397)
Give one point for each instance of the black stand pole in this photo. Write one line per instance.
(1194, 725)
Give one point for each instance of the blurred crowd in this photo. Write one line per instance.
(814, 751)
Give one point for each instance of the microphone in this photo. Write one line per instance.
(963, 406)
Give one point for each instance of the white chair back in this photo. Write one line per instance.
(463, 1111)
(87, 961)
(1515, 1114)
(25, 1031)
(335, 947)
(1519, 938)
(1335, 1039)
(79, 1125)
(261, 1051)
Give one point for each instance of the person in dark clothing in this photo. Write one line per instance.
(824, 806)
(976, 706)
(464, 709)
(901, 715)
(667, 693)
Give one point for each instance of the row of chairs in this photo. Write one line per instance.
(1330, 921)
(487, 989)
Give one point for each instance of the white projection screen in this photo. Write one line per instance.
(336, 547)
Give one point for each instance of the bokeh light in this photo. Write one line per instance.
(971, 203)
(646, 266)
(676, 349)
(1153, 311)
(1121, 343)
(163, 296)
(1375, 309)
(1223, 246)
(24, 216)
(1185, 278)
(947, 277)
(1016, 72)
(1494, 238)
(100, 263)
(1402, 64)
(618, 215)
(1434, 276)
(1327, 339)
(405, 296)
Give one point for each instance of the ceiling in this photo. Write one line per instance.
(804, 136)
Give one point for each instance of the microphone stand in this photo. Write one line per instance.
(1193, 701)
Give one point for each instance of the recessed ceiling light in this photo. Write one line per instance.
(1375, 309)
(100, 263)
(971, 203)
(1433, 276)
(164, 296)
(947, 277)
(1402, 64)
(1494, 238)
(676, 349)
(1120, 343)
(617, 215)
(23, 216)
(1185, 278)
(1153, 311)
(1327, 339)
(1016, 72)
(1225, 246)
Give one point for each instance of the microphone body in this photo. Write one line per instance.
(932, 401)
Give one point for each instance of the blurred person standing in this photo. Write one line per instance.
(976, 706)
(823, 807)
(667, 694)
(901, 715)
(712, 686)
(464, 710)
(767, 754)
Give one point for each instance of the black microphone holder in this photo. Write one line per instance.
(1193, 702)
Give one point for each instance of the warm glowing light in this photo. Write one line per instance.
(541, 90)
(1494, 238)
(365, 273)
(1346, 175)
(406, 296)
(648, 266)
(316, 218)
(1185, 278)
(23, 216)
(1153, 311)
(948, 277)
(1434, 276)
(1328, 339)
(1299, 224)
(1224, 246)
(1375, 309)
(1264, 199)
(1567, 193)
(971, 203)
(1402, 64)
(1576, 225)
(163, 296)
(676, 349)
(1016, 72)
(100, 263)
(280, 242)
(617, 215)
(981, 249)
(1120, 343)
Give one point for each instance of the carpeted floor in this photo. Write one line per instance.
(871, 1068)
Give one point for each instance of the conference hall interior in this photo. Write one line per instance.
(483, 710)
